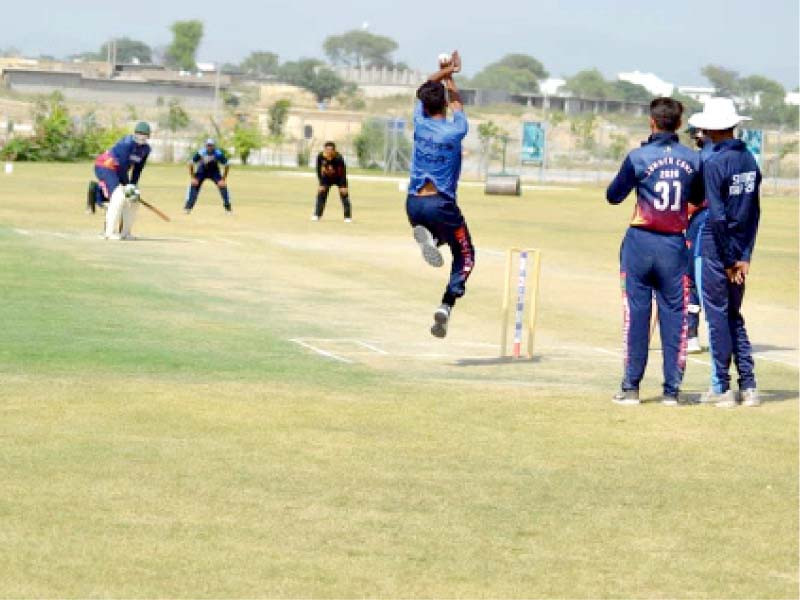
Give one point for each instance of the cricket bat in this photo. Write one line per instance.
(154, 209)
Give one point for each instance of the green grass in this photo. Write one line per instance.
(163, 437)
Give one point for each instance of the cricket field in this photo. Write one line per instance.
(253, 406)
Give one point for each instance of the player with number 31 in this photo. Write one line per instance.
(653, 259)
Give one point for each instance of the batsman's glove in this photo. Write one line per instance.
(131, 192)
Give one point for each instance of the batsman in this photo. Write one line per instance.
(118, 171)
(122, 164)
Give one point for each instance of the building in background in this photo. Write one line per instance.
(649, 81)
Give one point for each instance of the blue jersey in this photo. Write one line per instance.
(437, 151)
(125, 154)
(666, 175)
(732, 186)
(209, 161)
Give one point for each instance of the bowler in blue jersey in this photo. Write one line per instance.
(654, 258)
(431, 204)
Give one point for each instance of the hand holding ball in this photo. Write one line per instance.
(445, 60)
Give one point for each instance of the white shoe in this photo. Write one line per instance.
(441, 317)
(113, 236)
(348, 220)
(750, 397)
(314, 218)
(720, 400)
(693, 346)
(428, 247)
(187, 211)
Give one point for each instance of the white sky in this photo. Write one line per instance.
(672, 38)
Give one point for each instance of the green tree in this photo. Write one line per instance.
(589, 83)
(515, 73)
(583, 127)
(308, 73)
(725, 81)
(491, 138)
(186, 38)
(246, 138)
(630, 92)
(278, 113)
(260, 64)
(359, 48)
(176, 118)
(128, 51)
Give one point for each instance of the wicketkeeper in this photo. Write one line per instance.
(121, 165)
(331, 170)
(205, 164)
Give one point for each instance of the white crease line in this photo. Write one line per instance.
(776, 360)
(22, 231)
(321, 352)
(371, 347)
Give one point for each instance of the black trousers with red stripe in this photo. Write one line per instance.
(441, 216)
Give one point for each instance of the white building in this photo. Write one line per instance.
(792, 98)
(700, 94)
(652, 83)
(551, 85)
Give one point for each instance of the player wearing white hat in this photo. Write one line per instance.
(732, 180)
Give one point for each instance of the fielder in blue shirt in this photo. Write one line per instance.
(204, 165)
(653, 257)
(732, 187)
(435, 167)
(121, 164)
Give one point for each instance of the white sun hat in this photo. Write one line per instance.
(718, 114)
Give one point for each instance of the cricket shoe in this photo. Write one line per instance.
(113, 236)
(441, 317)
(627, 397)
(187, 211)
(314, 218)
(693, 346)
(750, 397)
(428, 247)
(719, 399)
(348, 220)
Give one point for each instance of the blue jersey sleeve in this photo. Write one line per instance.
(461, 123)
(753, 217)
(717, 219)
(196, 158)
(137, 168)
(221, 158)
(623, 183)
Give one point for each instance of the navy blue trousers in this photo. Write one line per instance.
(727, 336)
(194, 190)
(108, 180)
(442, 217)
(651, 263)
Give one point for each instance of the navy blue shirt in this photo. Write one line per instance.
(666, 175)
(206, 161)
(732, 186)
(125, 154)
(437, 151)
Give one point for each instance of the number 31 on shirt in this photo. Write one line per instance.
(663, 188)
